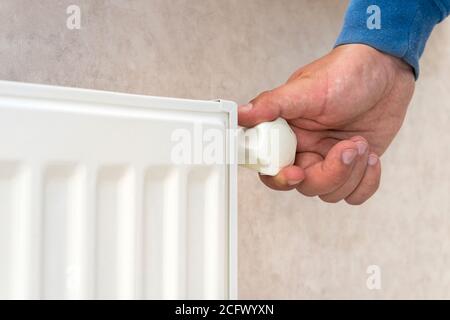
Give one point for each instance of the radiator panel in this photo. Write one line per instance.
(92, 207)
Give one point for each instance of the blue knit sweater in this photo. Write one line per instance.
(397, 27)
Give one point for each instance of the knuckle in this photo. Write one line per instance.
(339, 176)
(356, 201)
(362, 196)
(305, 192)
(262, 97)
(329, 199)
(373, 184)
(336, 173)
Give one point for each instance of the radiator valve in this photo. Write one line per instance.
(267, 147)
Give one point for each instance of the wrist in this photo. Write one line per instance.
(399, 32)
(376, 58)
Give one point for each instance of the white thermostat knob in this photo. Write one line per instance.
(267, 147)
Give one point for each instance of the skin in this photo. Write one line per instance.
(345, 109)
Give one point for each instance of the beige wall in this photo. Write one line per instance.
(290, 246)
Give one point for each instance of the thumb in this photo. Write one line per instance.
(290, 101)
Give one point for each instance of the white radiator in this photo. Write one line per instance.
(92, 207)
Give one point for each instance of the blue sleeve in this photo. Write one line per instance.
(397, 27)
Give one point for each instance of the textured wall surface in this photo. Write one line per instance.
(290, 246)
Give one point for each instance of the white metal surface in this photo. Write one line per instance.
(91, 205)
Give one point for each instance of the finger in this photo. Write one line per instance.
(314, 141)
(369, 184)
(356, 176)
(287, 179)
(307, 159)
(328, 175)
(292, 100)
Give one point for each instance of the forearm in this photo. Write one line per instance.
(400, 27)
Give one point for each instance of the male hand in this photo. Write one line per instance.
(345, 109)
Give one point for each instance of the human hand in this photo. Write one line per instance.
(345, 109)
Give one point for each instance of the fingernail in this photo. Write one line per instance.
(348, 156)
(246, 107)
(362, 147)
(293, 182)
(373, 159)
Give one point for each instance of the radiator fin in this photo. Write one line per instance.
(115, 246)
(12, 228)
(62, 228)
